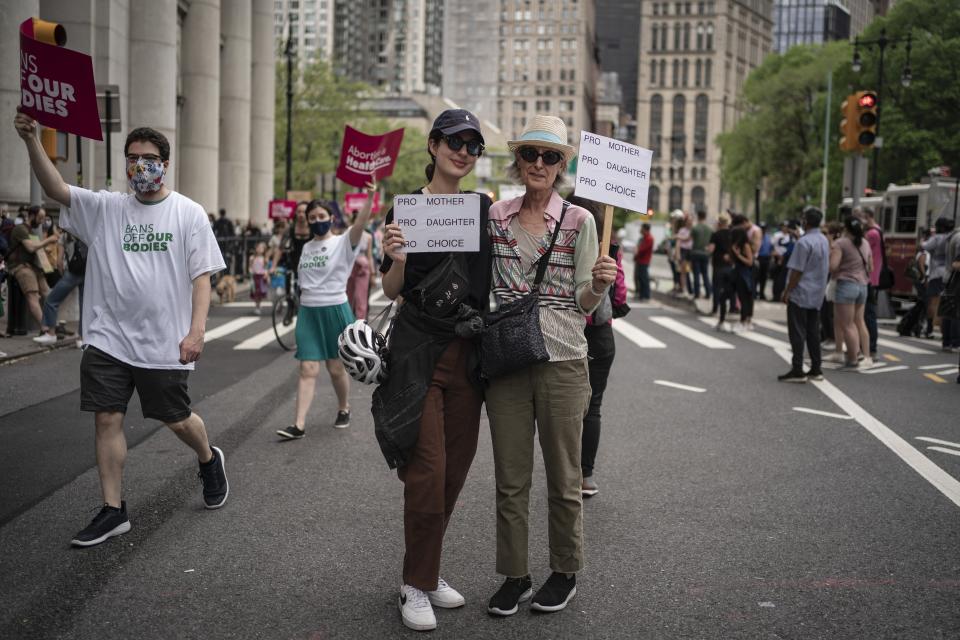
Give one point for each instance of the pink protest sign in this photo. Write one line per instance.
(364, 158)
(353, 202)
(282, 209)
(57, 87)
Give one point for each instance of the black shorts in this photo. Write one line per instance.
(107, 384)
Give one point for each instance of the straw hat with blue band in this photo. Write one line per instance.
(546, 132)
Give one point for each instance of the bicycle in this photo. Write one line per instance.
(284, 313)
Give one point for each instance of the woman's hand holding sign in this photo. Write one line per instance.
(393, 243)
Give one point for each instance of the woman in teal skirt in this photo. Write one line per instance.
(325, 265)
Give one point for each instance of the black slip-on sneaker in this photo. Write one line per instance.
(555, 593)
(110, 522)
(213, 475)
(506, 601)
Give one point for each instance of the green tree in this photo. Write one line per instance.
(779, 140)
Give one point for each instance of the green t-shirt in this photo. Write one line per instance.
(18, 253)
(701, 237)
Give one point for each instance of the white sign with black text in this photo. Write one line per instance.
(613, 172)
(444, 222)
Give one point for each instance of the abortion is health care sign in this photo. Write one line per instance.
(365, 158)
(613, 172)
(448, 222)
(56, 86)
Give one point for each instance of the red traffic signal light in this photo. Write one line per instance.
(867, 101)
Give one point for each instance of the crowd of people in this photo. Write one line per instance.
(148, 294)
(828, 275)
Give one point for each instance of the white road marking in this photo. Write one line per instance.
(942, 450)
(937, 441)
(944, 482)
(264, 338)
(888, 332)
(815, 412)
(226, 329)
(755, 336)
(949, 372)
(770, 324)
(906, 348)
(927, 367)
(665, 383)
(239, 305)
(640, 338)
(875, 369)
(691, 334)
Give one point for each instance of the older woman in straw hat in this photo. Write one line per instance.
(549, 398)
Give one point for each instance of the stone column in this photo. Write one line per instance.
(200, 120)
(15, 176)
(153, 73)
(235, 90)
(262, 111)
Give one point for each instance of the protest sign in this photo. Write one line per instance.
(56, 84)
(365, 158)
(614, 173)
(282, 209)
(353, 202)
(448, 222)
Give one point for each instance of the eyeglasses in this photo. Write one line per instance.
(149, 157)
(474, 147)
(550, 157)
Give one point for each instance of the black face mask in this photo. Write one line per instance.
(320, 228)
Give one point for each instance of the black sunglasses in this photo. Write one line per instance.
(474, 147)
(550, 157)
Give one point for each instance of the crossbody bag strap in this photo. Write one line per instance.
(544, 260)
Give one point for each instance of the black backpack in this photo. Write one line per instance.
(77, 264)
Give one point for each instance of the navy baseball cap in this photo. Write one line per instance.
(456, 120)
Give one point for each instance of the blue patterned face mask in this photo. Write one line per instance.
(145, 176)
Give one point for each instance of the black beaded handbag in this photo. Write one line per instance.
(512, 339)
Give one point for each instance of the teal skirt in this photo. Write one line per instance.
(319, 328)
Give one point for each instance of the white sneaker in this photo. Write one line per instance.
(45, 339)
(415, 609)
(256, 311)
(739, 327)
(445, 597)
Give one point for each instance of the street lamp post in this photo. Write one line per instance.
(906, 78)
(288, 52)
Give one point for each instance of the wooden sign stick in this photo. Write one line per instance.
(607, 229)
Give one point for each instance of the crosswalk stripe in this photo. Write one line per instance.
(638, 337)
(755, 336)
(890, 344)
(935, 366)
(906, 348)
(226, 329)
(948, 372)
(936, 441)
(883, 369)
(264, 338)
(690, 333)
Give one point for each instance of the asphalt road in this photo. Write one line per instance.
(724, 512)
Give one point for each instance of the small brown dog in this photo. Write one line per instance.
(227, 289)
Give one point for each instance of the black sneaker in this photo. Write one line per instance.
(506, 601)
(291, 433)
(793, 376)
(343, 420)
(106, 524)
(213, 475)
(555, 593)
(816, 376)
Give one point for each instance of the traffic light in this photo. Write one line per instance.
(858, 124)
(866, 118)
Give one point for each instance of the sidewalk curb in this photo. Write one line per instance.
(63, 344)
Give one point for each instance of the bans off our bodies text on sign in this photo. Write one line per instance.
(613, 172)
(445, 222)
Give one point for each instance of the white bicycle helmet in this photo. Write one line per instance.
(360, 347)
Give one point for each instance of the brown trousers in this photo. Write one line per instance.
(439, 464)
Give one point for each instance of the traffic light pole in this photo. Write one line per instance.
(288, 51)
(882, 43)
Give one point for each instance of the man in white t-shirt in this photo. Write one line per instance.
(147, 294)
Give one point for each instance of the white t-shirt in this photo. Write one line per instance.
(141, 263)
(324, 269)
